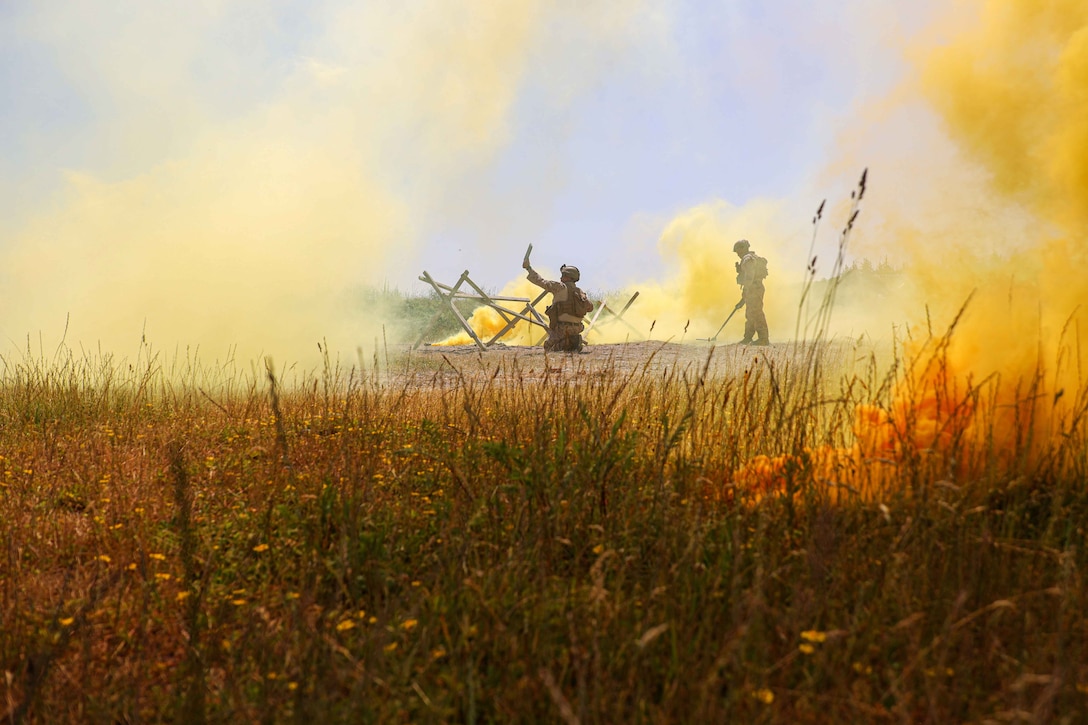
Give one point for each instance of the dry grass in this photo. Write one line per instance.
(526, 538)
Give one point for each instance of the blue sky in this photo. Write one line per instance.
(746, 106)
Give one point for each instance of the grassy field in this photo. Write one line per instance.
(538, 539)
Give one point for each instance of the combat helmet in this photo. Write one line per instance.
(741, 247)
(568, 271)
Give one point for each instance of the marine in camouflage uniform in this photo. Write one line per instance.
(565, 313)
(750, 274)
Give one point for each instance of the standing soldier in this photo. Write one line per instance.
(751, 271)
(569, 305)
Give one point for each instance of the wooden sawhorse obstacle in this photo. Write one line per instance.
(451, 294)
(612, 317)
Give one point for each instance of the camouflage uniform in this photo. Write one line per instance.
(755, 321)
(564, 318)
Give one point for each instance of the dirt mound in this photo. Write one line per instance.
(450, 362)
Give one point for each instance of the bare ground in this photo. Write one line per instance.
(448, 364)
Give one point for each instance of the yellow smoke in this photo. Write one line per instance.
(230, 204)
(251, 245)
(1012, 92)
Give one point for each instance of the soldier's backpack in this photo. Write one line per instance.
(759, 268)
